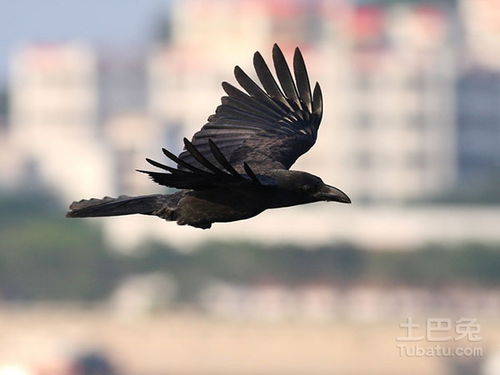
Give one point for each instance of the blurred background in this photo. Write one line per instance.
(411, 132)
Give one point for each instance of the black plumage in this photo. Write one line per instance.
(237, 164)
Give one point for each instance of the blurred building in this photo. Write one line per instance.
(121, 81)
(130, 137)
(388, 78)
(53, 111)
(478, 127)
(478, 96)
(326, 302)
(185, 74)
(481, 26)
(410, 91)
(388, 134)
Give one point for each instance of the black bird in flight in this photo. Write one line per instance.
(238, 164)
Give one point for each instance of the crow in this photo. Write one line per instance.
(238, 164)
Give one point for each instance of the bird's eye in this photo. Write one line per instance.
(306, 188)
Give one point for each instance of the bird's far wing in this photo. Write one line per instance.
(267, 127)
(218, 174)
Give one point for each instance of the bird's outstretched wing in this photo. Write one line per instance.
(219, 174)
(269, 127)
(265, 128)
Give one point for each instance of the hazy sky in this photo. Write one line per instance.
(122, 22)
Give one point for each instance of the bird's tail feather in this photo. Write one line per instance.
(123, 205)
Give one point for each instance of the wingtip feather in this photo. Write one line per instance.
(284, 75)
(302, 80)
(317, 99)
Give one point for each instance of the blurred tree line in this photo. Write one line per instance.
(44, 256)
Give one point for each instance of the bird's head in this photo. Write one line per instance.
(309, 188)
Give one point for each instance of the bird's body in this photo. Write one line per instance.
(238, 164)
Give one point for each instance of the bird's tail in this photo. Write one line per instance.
(123, 205)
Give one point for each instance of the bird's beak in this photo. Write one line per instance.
(330, 193)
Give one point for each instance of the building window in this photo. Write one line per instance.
(363, 120)
(415, 160)
(364, 159)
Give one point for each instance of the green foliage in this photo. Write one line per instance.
(42, 255)
(45, 256)
(434, 266)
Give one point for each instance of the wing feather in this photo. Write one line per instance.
(267, 126)
(317, 104)
(285, 77)
(302, 79)
(267, 80)
(198, 179)
(222, 159)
